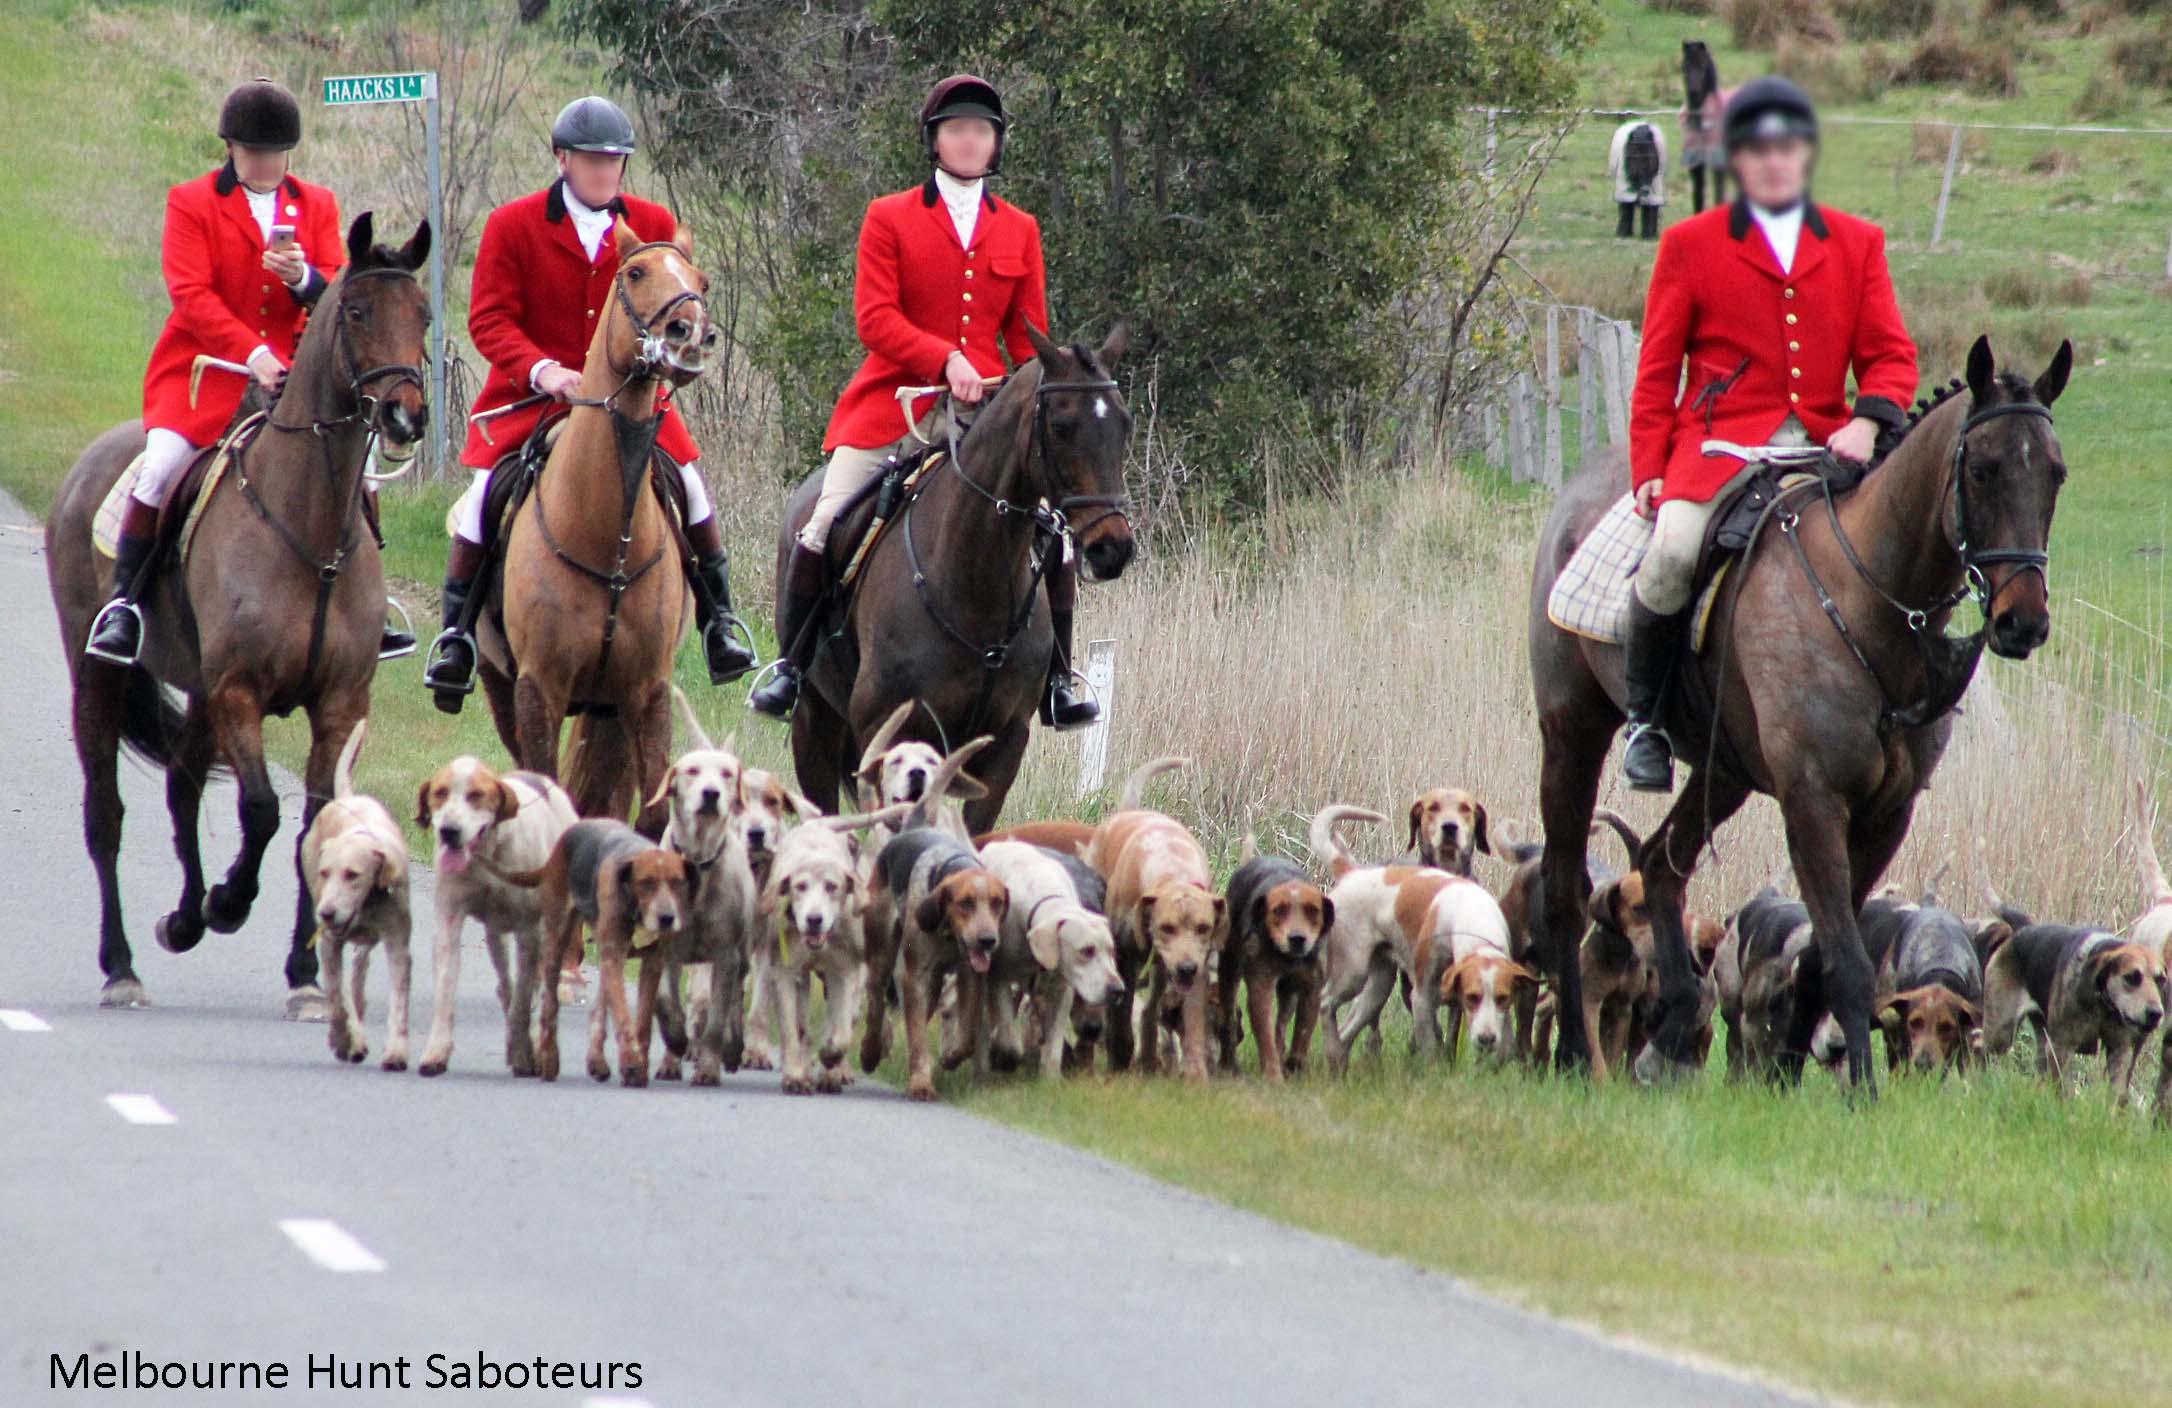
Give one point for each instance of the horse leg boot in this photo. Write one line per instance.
(798, 597)
(392, 642)
(1626, 226)
(117, 635)
(450, 673)
(725, 643)
(1062, 709)
(1647, 763)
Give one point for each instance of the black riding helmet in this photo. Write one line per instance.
(963, 95)
(1765, 109)
(593, 124)
(260, 113)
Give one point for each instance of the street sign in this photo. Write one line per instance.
(380, 88)
(416, 88)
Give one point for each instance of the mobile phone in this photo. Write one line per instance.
(281, 234)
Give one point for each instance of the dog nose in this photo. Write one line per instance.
(450, 835)
(1116, 989)
(1091, 1031)
(326, 914)
(710, 796)
(667, 921)
(1485, 1040)
(1187, 971)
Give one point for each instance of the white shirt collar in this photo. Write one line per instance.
(1783, 231)
(963, 200)
(264, 205)
(588, 223)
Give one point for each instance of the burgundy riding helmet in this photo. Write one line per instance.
(963, 95)
(260, 113)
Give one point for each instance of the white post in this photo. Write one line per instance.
(1093, 754)
(1618, 374)
(441, 415)
(1587, 385)
(1520, 467)
(1550, 473)
(1945, 187)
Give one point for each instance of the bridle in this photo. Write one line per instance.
(1048, 515)
(360, 394)
(1973, 558)
(653, 354)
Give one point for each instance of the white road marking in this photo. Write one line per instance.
(141, 1109)
(15, 1019)
(608, 1401)
(330, 1245)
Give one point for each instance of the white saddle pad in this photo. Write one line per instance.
(1591, 596)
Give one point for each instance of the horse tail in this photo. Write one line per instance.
(343, 770)
(601, 747)
(1135, 785)
(1325, 848)
(150, 722)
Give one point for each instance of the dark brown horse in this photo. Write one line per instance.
(1839, 712)
(948, 609)
(593, 595)
(277, 607)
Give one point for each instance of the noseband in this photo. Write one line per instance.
(1973, 558)
(653, 353)
(1049, 517)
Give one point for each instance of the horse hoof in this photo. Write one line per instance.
(123, 992)
(307, 1004)
(1654, 1069)
(178, 932)
(223, 911)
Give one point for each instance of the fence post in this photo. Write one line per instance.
(1945, 187)
(1093, 753)
(1520, 467)
(1550, 472)
(1587, 385)
(1496, 431)
(1620, 371)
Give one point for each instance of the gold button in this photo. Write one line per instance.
(1791, 320)
(965, 318)
(1792, 396)
(969, 254)
(591, 312)
(969, 273)
(961, 342)
(1794, 347)
(969, 298)
(1794, 371)
(1789, 292)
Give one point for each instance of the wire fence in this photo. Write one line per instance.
(1541, 427)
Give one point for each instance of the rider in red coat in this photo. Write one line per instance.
(543, 278)
(1772, 302)
(246, 252)
(948, 279)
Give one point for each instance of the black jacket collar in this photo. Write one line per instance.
(554, 209)
(226, 181)
(1739, 218)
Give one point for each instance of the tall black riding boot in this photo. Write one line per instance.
(116, 633)
(450, 670)
(1650, 218)
(1626, 226)
(798, 633)
(725, 641)
(1061, 709)
(1647, 763)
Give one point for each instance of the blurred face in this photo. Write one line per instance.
(965, 146)
(261, 169)
(1773, 173)
(594, 176)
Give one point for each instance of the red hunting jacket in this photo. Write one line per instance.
(537, 294)
(1761, 344)
(225, 302)
(920, 295)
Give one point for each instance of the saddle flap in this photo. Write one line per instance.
(857, 529)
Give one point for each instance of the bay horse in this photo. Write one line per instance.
(586, 615)
(1834, 677)
(948, 608)
(276, 606)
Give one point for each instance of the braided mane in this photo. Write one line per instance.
(2016, 387)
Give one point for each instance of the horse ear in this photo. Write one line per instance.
(684, 239)
(361, 237)
(624, 238)
(417, 249)
(2053, 381)
(1050, 354)
(1981, 368)
(1116, 344)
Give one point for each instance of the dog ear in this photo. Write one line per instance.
(508, 808)
(1046, 941)
(1327, 916)
(1606, 905)
(1485, 842)
(1255, 914)
(1417, 809)
(422, 803)
(1523, 976)
(663, 786)
(623, 875)
(772, 891)
(1220, 936)
(1892, 1015)
(967, 788)
(1971, 1014)
(928, 914)
(1453, 977)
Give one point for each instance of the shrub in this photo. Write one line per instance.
(1680, 7)
(1886, 19)
(1947, 58)
(1760, 24)
(1835, 73)
(2040, 11)
(2037, 288)
(1930, 141)
(2144, 58)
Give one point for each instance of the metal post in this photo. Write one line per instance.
(1587, 385)
(1945, 187)
(441, 415)
(1093, 753)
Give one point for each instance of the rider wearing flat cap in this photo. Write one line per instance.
(1772, 302)
(948, 279)
(246, 251)
(543, 277)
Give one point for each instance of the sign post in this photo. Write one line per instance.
(416, 88)
(1093, 756)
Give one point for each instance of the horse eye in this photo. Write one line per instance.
(636, 274)
(1983, 471)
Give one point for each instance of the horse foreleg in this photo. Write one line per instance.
(1568, 787)
(237, 721)
(498, 692)
(996, 768)
(97, 747)
(537, 717)
(1818, 832)
(1669, 859)
(183, 929)
(651, 748)
(818, 745)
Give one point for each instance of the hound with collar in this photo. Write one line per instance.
(1278, 922)
(1054, 950)
(2078, 988)
(1448, 829)
(1930, 985)
(355, 861)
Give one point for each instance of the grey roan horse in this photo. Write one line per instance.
(1834, 678)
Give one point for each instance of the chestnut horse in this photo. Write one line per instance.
(278, 606)
(586, 615)
(1835, 682)
(948, 608)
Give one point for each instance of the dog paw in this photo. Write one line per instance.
(435, 1062)
(546, 1066)
(798, 1085)
(756, 1061)
(831, 1079)
(394, 1061)
(920, 1088)
(1003, 1058)
(706, 1076)
(634, 1077)
(668, 1069)
(307, 1004)
(599, 1071)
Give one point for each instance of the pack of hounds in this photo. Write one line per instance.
(1078, 943)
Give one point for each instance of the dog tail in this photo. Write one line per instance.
(2154, 889)
(862, 820)
(692, 720)
(1930, 886)
(1249, 851)
(2015, 917)
(1522, 851)
(1616, 822)
(924, 811)
(884, 736)
(1135, 785)
(343, 770)
(1325, 848)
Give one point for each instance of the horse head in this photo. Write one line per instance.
(2006, 478)
(380, 320)
(1700, 76)
(1076, 435)
(665, 329)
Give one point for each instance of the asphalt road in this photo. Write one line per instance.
(199, 1181)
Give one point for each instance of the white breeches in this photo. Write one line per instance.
(847, 470)
(468, 509)
(165, 455)
(1668, 571)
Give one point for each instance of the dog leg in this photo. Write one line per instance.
(915, 989)
(1595, 1033)
(527, 958)
(599, 1066)
(445, 970)
(791, 1029)
(761, 1051)
(1259, 1005)
(1055, 1000)
(1195, 1030)
(709, 1034)
(842, 996)
(1149, 1027)
(633, 1063)
(640, 1039)
(341, 1036)
(2119, 1060)
(400, 972)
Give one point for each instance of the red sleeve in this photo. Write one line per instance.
(1668, 308)
(325, 242)
(1883, 356)
(884, 328)
(1031, 301)
(494, 304)
(185, 258)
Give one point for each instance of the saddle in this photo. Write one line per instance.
(866, 516)
(178, 517)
